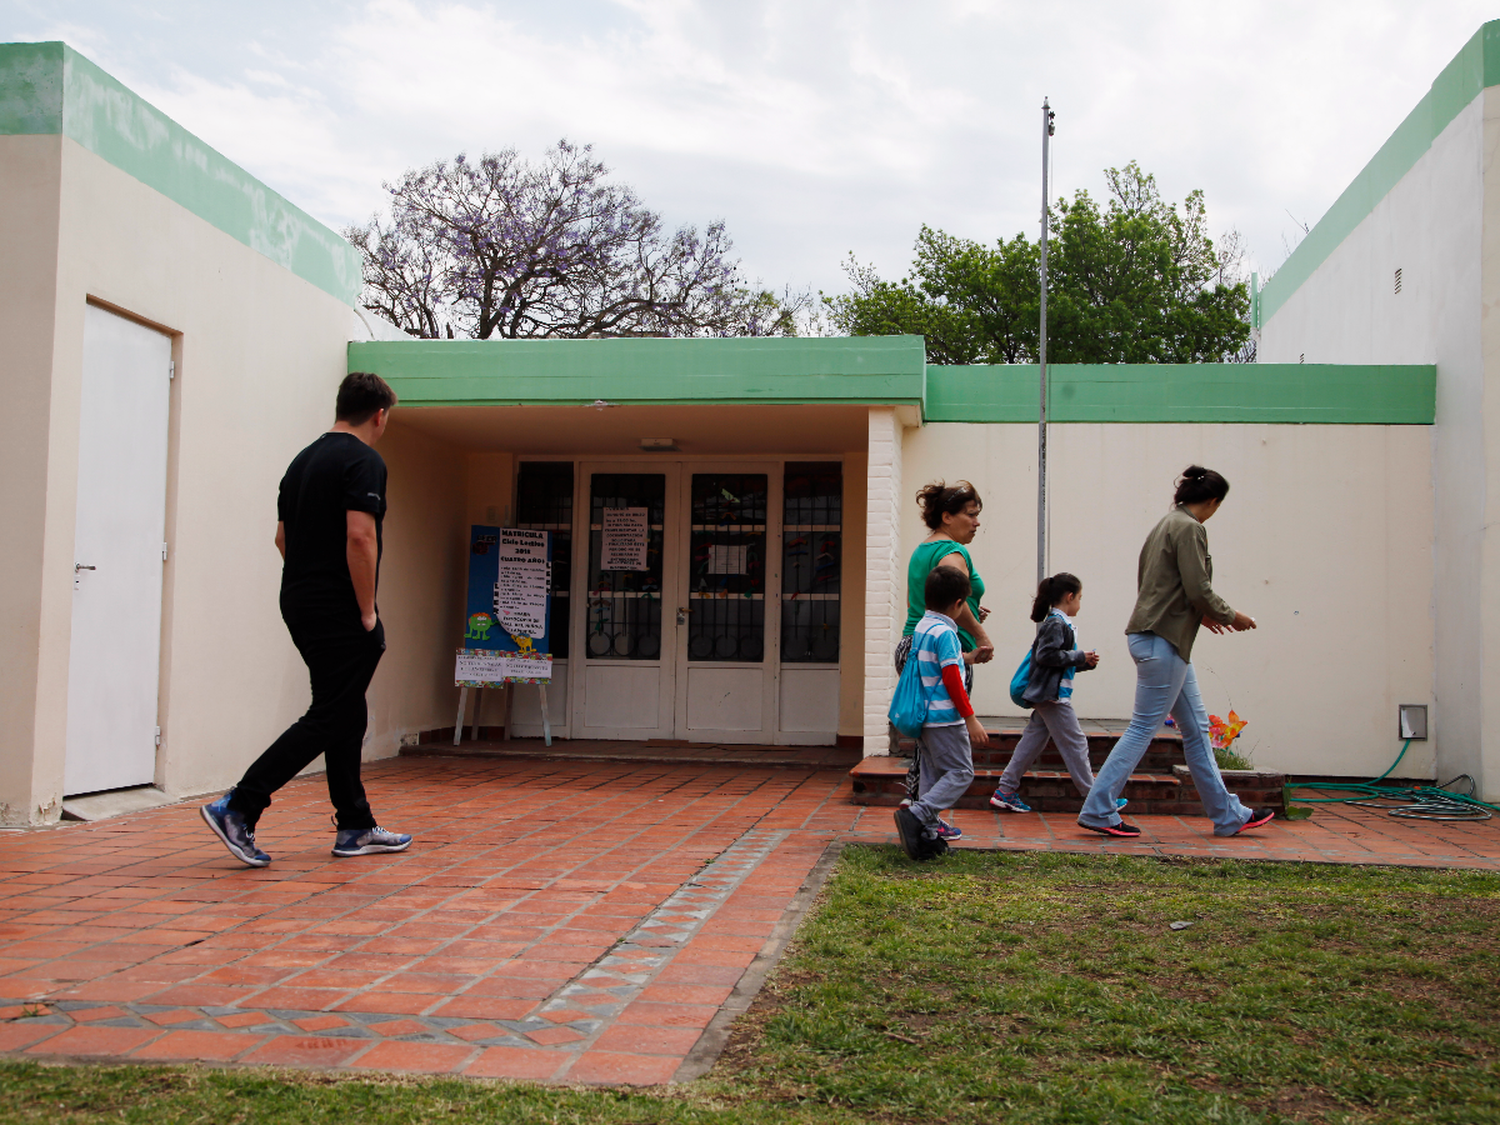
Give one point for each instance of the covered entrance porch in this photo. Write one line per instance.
(740, 621)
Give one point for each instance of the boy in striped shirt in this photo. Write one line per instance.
(947, 763)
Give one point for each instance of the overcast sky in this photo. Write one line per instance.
(814, 129)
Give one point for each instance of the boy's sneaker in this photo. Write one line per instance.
(948, 831)
(229, 826)
(1009, 802)
(1258, 817)
(914, 838)
(1121, 829)
(368, 841)
(1120, 803)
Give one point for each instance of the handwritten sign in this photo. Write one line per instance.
(507, 603)
(523, 579)
(482, 667)
(727, 558)
(624, 540)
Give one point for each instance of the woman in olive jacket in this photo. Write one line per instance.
(1174, 596)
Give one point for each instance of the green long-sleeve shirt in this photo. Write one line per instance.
(1174, 583)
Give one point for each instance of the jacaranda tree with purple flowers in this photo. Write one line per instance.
(500, 246)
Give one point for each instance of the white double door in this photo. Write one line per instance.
(119, 551)
(685, 647)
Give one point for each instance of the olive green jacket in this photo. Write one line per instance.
(1174, 583)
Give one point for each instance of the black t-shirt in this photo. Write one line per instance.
(334, 475)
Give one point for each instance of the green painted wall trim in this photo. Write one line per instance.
(866, 369)
(1325, 393)
(50, 89)
(1473, 69)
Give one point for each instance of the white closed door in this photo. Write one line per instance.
(118, 555)
(624, 645)
(728, 605)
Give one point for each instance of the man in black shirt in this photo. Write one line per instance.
(329, 514)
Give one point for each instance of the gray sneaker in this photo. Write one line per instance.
(230, 827)
(369, 841)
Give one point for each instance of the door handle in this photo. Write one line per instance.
(682, 614)
(79, 566)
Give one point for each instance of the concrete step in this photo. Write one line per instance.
(1164, 752)
(882, 781)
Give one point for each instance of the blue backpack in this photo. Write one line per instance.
(1022, 679)
(908, 711)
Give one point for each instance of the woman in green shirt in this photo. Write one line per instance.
(952, 517)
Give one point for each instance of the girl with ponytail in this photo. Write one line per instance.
(1055, 656)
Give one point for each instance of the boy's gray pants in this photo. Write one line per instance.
(947, 769)
(1057, 721)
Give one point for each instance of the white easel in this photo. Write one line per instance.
(463, 703)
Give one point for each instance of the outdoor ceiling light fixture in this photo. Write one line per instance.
(1412, 720)
(659, 444)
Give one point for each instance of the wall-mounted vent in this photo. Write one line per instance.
(1398, 279)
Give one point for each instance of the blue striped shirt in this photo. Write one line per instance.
(936, 646)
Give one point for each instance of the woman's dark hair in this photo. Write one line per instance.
(945, 585)
(1052, 590)
(1198, 483)
(937, 499)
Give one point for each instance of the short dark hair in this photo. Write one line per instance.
(361, 394)
(945, 585)
(1197, 484)
(938, 499)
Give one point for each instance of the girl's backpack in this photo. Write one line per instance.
(1022, 679)
(908, 711)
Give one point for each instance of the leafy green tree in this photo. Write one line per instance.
(1137, 281)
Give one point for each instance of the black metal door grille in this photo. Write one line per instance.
(624, 606)
(726, 570)
(811, 558)
(544, 501)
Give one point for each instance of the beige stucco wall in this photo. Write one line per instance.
(1323, 540)
(29, 174)
(422, 576)
(1479, 477)
(1437, 226)
(259, 356)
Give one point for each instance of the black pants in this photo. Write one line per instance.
(340, 662)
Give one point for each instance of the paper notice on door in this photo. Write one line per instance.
(523, 582)
(727, 559)
(624, 540)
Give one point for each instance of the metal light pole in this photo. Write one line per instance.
(1041, 436)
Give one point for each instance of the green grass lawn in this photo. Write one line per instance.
(1014, 988)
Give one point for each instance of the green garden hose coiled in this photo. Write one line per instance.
(1418, 802)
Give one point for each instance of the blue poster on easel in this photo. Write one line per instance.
(508, 608)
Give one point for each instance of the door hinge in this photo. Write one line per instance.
(163, 552)
(158, 736)
(171, 369)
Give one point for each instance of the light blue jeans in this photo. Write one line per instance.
(1164, 684)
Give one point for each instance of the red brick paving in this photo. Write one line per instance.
(504, 943)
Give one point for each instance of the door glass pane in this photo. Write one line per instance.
(812, 548)
(624, 606)
(726, 568)
(544, 501)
